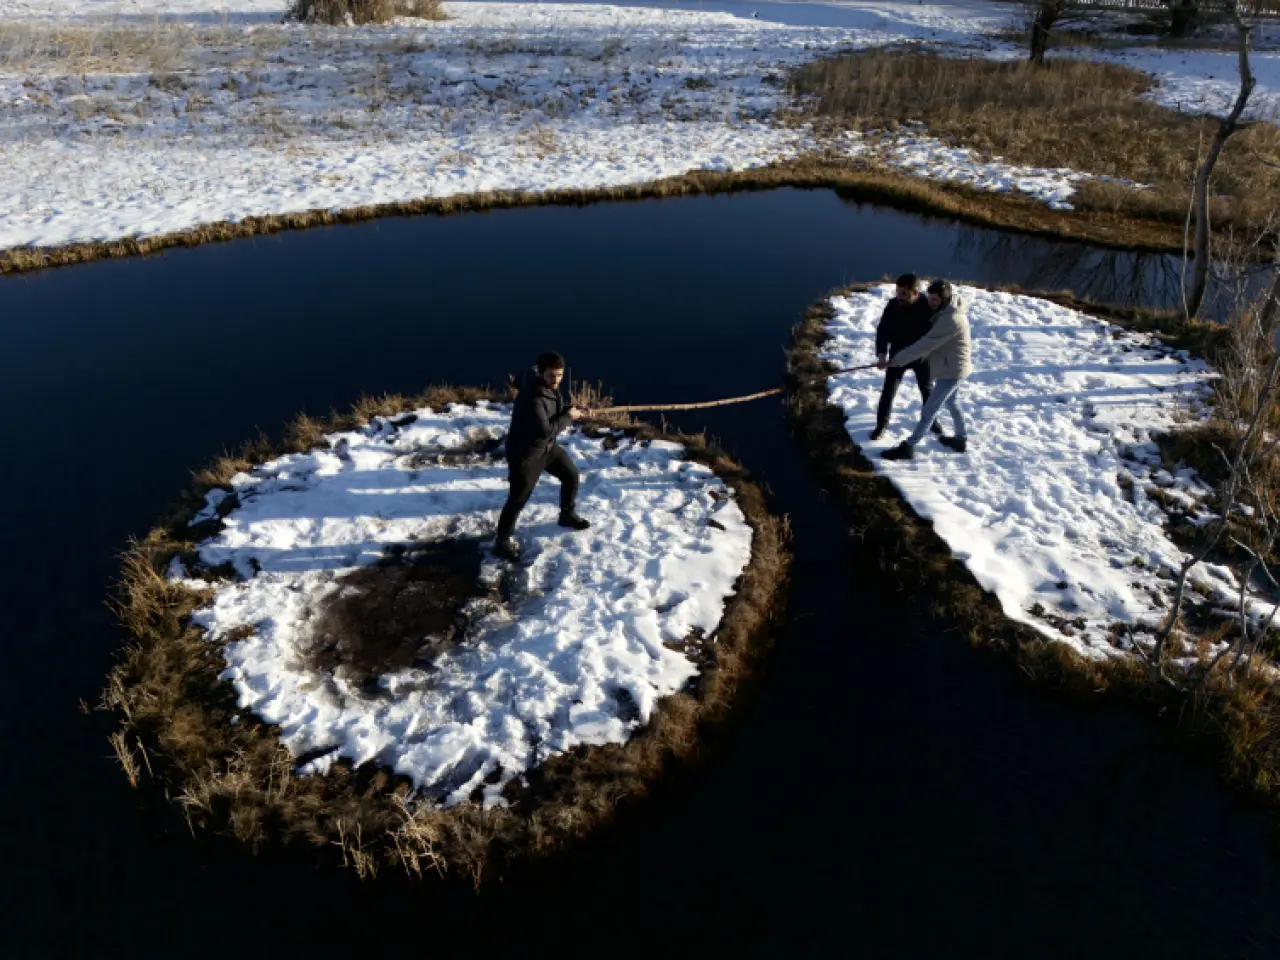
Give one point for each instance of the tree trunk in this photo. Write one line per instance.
(1271, 308)
(1041, 26)
(1194, 298)
(1183, 18)
(1200, 243)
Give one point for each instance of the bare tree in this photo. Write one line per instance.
(1270, 312)
(1045, 16)
(1201, 250)
(1182, 16)
(1246, 526)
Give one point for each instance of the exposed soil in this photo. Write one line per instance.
(402, 612)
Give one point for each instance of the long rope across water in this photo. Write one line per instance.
(656, 407)
(703, 405)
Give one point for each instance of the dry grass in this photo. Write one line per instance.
(1078, 114)
(1235, 721)
(358, 12)
(861, 183)
(234, 778)
(82, 48)
(124, 754)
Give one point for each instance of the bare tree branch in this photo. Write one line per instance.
(1200, 194)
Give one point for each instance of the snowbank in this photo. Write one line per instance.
(589, 641)
(1049, 508)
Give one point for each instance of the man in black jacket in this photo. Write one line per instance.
(539, 414)
(905, 320)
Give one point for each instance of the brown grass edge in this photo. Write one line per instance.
(1235, 726)
(232, 777)
(862, 183)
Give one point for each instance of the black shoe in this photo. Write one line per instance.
(953, 443)
(573, 521)
(876, 434)
(936, 428)
(507, 549)
(903, 451)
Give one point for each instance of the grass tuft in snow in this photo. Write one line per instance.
(358, 12)
(71, 48)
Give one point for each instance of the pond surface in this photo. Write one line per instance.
(888, 791)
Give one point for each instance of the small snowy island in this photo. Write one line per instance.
(335, 656)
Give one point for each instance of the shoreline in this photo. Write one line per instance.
(860, 183)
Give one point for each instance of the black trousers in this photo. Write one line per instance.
(523, 475)
(892, 377)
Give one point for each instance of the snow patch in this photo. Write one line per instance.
(1203, 81)
(914, 151)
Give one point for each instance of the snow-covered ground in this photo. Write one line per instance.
(148, 117)
(1202, 81)
(255, 119)
(1052, 508)
(913, 151)
(580, 655)
(153, 116)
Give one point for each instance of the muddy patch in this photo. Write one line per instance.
(402, 612)
(481, 447)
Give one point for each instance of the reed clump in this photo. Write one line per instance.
(1077, 114)
(360, 12)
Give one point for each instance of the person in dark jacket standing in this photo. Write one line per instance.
(539, 414)
(905, 320)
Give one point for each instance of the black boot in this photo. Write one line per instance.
(573, 521)
(903, 451)
(877, 433)
(953, 443)
(507, 549)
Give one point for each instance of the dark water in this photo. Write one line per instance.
(888, 793)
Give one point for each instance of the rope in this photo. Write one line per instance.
(655, 407)
(658, 407)
(867, 366)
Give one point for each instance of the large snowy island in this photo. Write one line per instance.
(1062, 505)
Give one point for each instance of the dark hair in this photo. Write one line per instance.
(550, 361)
(909, 280)
(942, 288)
